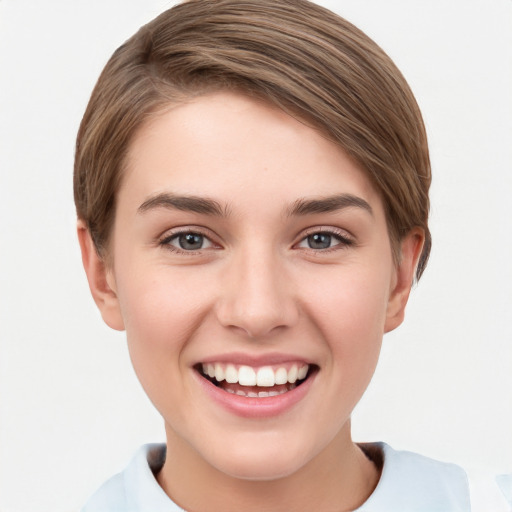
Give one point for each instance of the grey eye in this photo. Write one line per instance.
(190, 241)
(187, 241)
(319, 241)
(323, 240)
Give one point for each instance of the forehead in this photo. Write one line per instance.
(237, 149)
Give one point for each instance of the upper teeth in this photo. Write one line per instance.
(265, 376)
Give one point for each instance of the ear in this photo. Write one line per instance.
(101, 280)
(411, 248)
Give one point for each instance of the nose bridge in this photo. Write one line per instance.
(258, 298)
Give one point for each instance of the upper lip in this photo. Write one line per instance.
(254, 360)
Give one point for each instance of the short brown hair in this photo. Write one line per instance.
(292, 53)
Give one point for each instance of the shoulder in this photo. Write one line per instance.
(136, 487)
(490, 492)
(432, 475)
(110, 496)
(415, 483)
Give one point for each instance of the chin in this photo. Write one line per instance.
(251, 462)
(260, 470)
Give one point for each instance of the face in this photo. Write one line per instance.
(252, 271)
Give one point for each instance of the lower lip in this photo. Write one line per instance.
(254, 407)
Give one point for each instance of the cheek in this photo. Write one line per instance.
(161, 313)
(350, 313)
(164, 303)
(353, 299)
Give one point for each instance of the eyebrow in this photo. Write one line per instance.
(328, 204)
(194, 204)
(206, 206)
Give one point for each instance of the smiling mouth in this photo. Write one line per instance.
(261, 382)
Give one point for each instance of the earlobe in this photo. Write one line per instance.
(411, 248)
(101, 281)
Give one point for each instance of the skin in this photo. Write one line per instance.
(255, 288)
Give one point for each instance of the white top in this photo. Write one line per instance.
(409, 482)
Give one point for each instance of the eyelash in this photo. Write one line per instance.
(165, 242)
(343, 241)
(341, 236)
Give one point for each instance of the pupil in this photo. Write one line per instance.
(191, 241)
(319, 241)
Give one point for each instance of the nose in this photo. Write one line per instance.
(257, 298)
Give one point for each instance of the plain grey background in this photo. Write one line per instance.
(71, 410)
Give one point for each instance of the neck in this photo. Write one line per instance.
(339, 478)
